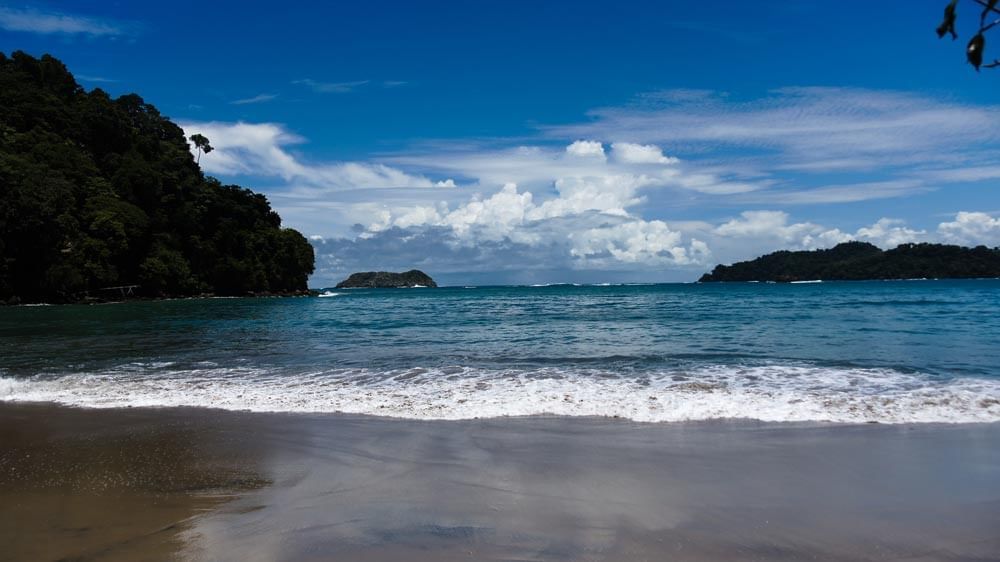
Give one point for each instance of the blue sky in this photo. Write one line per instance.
(522, 142)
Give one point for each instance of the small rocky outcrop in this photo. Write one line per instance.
(387, 280)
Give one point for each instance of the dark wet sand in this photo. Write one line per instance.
(154, 484)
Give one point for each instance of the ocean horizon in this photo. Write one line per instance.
(841, 352)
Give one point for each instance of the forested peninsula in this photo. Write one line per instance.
(99, 193)
(856, 261)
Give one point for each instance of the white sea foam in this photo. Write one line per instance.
(767, 393)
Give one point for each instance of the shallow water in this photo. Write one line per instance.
(903, 351)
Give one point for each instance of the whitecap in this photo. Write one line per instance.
(776, 393)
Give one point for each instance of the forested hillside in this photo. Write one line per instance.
(97, 192)
(861, 260)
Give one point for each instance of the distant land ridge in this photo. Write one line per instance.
(858, 261)
(387, 280)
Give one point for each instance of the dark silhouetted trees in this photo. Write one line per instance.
(98, 192)
(201, 143)
(855, 261)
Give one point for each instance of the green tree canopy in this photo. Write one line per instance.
(201, 143)
(98, 192)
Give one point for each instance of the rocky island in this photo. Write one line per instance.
(387, 280)
(859, 261)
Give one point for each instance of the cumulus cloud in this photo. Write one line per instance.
(543, 168)
(586, 149)
(889, 233)
(971, 229)
(586, 225)
(632, 153)
(651, 243)
(771, 229)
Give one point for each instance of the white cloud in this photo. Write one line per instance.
(754, 233)
(632, 153)
(331, 87)
(772, 229)
(493, 218)
(862, 191)
(541, 169)
(259, 149)
(971, 229)
(963, 174)
(586, 149)
(95, 79)
(259, 98)
(770, 224)
(586, 225)
(650, 243)
(889, 233)
(817, 128)
(34, 21)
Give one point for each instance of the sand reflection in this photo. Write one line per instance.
(114, 485)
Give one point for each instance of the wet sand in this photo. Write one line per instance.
(196, 484)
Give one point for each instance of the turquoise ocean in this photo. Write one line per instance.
(889, 352)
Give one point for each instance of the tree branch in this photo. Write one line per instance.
(985, 5)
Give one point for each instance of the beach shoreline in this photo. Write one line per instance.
(150, 483)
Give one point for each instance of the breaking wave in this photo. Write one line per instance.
(765, 392)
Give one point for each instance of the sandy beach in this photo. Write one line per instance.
(198, 484)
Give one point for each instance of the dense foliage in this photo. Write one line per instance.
(98, 192)
(860, 260)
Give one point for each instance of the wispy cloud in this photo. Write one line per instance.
(260, 149)
(331, 87)
(805, 129)
(259, 98)
(35, 21)
(849, 193)
(95, 79)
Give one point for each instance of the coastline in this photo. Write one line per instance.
(16, 301)
(145, 483)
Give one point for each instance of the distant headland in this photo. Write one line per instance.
(858, 261)
(387, 280)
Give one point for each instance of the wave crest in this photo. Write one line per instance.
(779, 393)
